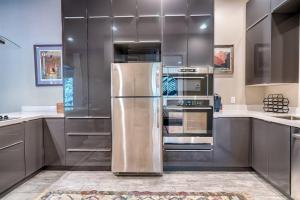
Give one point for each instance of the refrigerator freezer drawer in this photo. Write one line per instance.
(136, 79)
(137, 136)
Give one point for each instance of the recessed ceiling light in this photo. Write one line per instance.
(203, 26)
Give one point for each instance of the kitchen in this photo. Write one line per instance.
(134, 114)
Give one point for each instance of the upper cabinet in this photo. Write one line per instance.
(124, 8)
(258, 53)
(256, 10)
(149, 29)
(149, 7)
(201, 7)
(200, 40)
(74, 8)
(175, 7)
(175, 41)
(124, 29)
(285, 6)
(272, 53)
(99, 8)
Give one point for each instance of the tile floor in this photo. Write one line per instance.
(247, 182)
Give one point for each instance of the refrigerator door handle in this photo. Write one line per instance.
(158, 81)
(158, 116)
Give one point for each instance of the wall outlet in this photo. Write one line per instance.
(232, 100)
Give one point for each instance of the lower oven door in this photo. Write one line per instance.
(188, 125)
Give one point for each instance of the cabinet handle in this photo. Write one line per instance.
(90, 134)
(89, 117)
(11, 145)
(207, 150)
(89, 150)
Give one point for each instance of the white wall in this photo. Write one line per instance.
(26, 22)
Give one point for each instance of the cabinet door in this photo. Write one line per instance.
(75, 67)
(124, 7)
(260, 139)
(232, 142)
(276, 3)
(34, 146)
(279, 147)
(256, 10)
(124, 29)
(149, 29)
(200, 41)
(100, 58)
(149, 7)
(201, 7)
(175, 7)
(54, 142)
(99, 8)
(12, 160)
(175, 41)
(74, 8)
(12, 166)
(258, 53)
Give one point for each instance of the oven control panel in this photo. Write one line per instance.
(192, 103)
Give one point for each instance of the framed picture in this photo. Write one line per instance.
(224, 59)
(48, 65)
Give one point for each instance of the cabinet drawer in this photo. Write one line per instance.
(88, 158)
(81, 125)
(88, 141)
(173, 158)
(11, 134)
(12, 166)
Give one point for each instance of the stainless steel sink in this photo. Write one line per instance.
(288, 117)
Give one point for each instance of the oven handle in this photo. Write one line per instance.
(188, 77)
(197, 108)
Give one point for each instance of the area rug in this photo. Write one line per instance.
(96, 195)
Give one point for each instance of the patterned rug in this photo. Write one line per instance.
(96, 195)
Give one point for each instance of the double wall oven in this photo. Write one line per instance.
(188, 108)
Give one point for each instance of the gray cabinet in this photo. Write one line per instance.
(256, 10)
(279, 156)
(124, 29)
(88, 142)
(75, 67)
(149, 29)
(276, 3)
(149, 7)
(12, 160)
(54, 142)
(124, 8)
(200, 40)
(201, 7)
(272, 153)
(174, 48)
(258, 53)
(232, 145)
(175, 7)
(100, 50)
(98, 8)
(74, 8)
(260, 146)
(34, 146)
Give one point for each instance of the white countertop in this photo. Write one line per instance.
(270, 117)
(27, 116)
(20, 117)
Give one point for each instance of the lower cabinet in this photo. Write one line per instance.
(279, 148)
(259, 146)
(34, 146)
(232, 142)
(185, 159)
(12, 165)
(88, 142)
(54, 142)
(272, 153)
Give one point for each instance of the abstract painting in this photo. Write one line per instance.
(48, 65)
(224, 59)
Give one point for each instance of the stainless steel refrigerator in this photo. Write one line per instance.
(137, 118)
